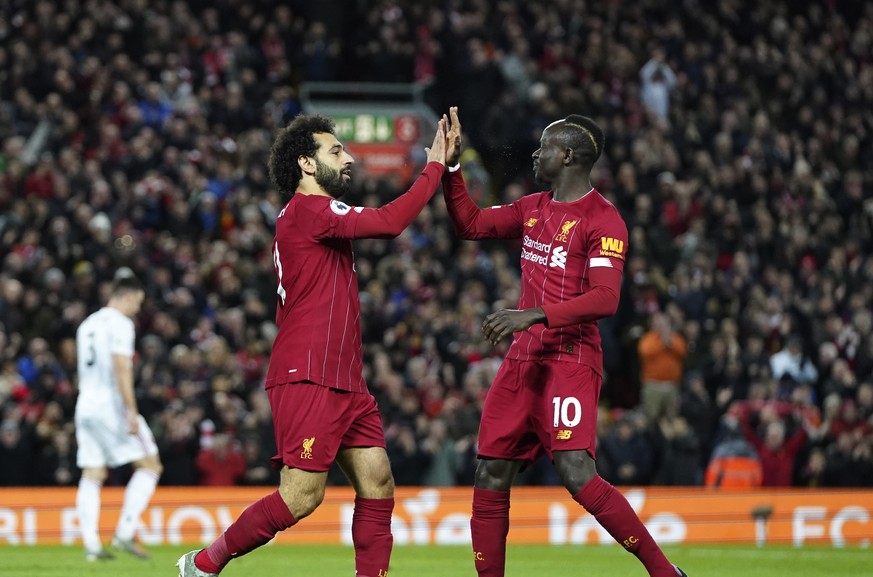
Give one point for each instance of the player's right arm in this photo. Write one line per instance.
(470, 221)
(342, 221)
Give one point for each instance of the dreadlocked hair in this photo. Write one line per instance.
(292, 142)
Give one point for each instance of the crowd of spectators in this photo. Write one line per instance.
(739, 149)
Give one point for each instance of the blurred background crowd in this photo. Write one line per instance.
(739, 151)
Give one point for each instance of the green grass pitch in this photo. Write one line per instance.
(417, 561)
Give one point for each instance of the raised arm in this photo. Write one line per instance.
(741, 412)
(390, 220)
(474, 223)
(470, 221)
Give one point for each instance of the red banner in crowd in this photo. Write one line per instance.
(384, 159)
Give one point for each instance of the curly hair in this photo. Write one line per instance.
(292, 142)
(584, 136)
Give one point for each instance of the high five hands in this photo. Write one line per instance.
(504, 322)
(453, 137)
(437, 151)
(446, 147)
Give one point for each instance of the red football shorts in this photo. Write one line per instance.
(536, 406)
(312, 423)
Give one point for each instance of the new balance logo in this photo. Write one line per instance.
(564, 434)
(559, 258)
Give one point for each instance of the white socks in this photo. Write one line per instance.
(88, 509)
(136, 498)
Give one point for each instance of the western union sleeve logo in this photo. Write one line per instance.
(611, 247)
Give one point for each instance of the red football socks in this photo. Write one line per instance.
(371, 535)
(615, 514)
(203, 560)
(489, 526)
(255, 527)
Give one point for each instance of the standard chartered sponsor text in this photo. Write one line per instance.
(538, 246)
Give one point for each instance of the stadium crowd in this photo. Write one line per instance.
(739, 149)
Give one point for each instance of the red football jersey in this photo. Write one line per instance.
(562, 243)
(318, 309)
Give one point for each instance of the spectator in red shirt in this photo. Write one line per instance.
(778, 454)
(41, 181)
(221, 465)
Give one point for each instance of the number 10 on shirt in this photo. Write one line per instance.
(563, 408)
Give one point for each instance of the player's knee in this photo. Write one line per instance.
(384, 485)
(493, 475)
(575, 470)
(151, 464)
(574, 479)
(96, 474)
(155, 466)
(302, 503)
(310, 502)
(376, 485)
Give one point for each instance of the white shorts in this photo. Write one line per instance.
(106, 443)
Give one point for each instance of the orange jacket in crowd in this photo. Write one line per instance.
(659, 362)
(734, 471)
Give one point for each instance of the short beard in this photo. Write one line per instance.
(331, 181)
(540, 182)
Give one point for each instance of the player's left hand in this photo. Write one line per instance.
(507, 321)
(437, 151)
(453, 137)
(132, 423)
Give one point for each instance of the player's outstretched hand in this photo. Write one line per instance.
(507, 321)
(453, 137)
(437, 151)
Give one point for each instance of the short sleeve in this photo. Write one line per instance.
(122, 337)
